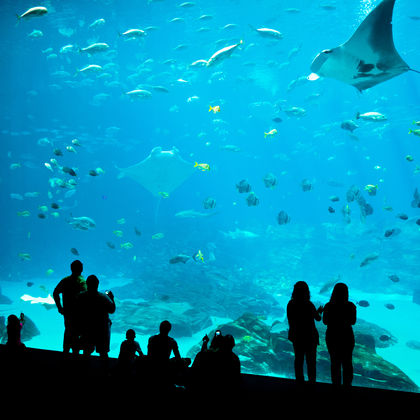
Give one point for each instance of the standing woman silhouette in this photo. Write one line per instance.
(339, 316)
(301, 314)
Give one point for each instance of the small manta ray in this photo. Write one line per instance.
(161, 172)
(369, 57)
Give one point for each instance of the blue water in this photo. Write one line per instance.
(43, 96)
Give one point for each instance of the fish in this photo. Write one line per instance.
(270, 133)
(137, 232)
(392, 232)
(97, 47)
(268, 33)
(81, 223)
(243, 186)
(110, 245)
(349, 125)
(240, 234)
(209, 203)
(326, 288)
(394, 278)
(163, 194)
(416, 197)
(180, 258)
(199, 256)
(69, 171)
(215, 109)
(127, 245)
(139, 94)
(74, 251)
(252, 199)
(368, 58)
(24, 256)
(222, 54)
(118, 233)
(202, 166)
(306, 185)
(133, 33)
(97, 23)
(91, 68)
(369, 259)
(159, 235)
(371, 116)
(33, 12)
(416, 132)
(192, 214)
(270, 180)
(363, 303)
(283, 218)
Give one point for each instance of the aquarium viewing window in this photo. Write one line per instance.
(201, 158)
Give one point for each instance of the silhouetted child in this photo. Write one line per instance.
(130, 352)
(130, 348)
(301, 314)
(339, 316)
(14, 328)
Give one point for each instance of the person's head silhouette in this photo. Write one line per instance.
(130, 334)
(301, 291)
(165, 327)
(92, 283)
(76, 267)
(340, 293)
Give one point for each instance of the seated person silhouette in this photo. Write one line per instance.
(217, 369)
(164, 369)
(130, 353)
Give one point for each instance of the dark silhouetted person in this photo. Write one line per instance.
(69, 288)
(301, 314)
(164, 369)
(14, 328)
(339, 316)
(216, 370)
(130, 352)
(95, 308)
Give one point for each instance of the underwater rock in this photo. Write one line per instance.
(4, 300)
(263, 351)
(145, 317)
(416, 296)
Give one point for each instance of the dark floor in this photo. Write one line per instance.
(53, 380)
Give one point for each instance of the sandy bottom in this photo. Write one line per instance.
(402, 322)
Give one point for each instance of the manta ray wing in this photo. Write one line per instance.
(369, 57)
(161, 171)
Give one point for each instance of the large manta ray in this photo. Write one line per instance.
(369, 57)
(161, 172)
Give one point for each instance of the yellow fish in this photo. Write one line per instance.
(118, 233)
(271, 133)
(215, 109)
(202, 166)
(163, 194)
(121, 221)
(199, 256)
(49, 272)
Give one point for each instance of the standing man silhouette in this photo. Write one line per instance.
(69, 288)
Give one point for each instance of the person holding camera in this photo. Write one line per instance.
(94, 309)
